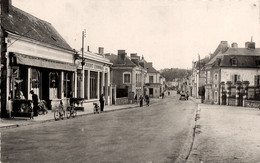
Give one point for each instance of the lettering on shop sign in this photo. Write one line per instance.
(94, 66)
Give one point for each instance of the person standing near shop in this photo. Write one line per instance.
(35, 103)
(141, 100)
(102, 102)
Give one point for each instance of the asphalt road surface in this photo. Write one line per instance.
(157, 133)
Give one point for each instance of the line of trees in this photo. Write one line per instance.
(174, 73)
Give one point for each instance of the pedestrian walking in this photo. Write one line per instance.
(35, 103)
(102, 102)
(147, 99)
(135, 98)
(168, 93)
(141, 100)
(162, 95)
(187, 95)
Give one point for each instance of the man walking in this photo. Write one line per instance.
(102, 102)
(35, 103)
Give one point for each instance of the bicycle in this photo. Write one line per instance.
(96, 108)
(59, 113)
(71, 112)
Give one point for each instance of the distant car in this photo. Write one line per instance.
(182, 97)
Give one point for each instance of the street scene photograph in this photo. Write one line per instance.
(130, 81)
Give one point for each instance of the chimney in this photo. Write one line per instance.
(5, 5)
(150, 64)
(250, 45)
(121, 56)
(135, 58)
(101, 50)
(234, 45)
(223, 45)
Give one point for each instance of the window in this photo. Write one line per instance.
(86, 84)
(127, 78)
(54, 85)
(257, 61)
(67, 87)
(150, 79)
(235, 78)
(216, 76)
(233, 61)
(93, 84)
(257, 80)
(35, 81)
(208, 77)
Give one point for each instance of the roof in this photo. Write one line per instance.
(114, 59)
(27, 25)
(242, 61)
(235, 52)
(150, 69)
(202, 62)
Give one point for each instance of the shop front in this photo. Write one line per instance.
(93, 80)
(51, 80)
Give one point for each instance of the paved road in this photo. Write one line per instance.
(158, 133)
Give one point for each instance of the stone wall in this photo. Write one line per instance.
(251, 104)
(121, 101)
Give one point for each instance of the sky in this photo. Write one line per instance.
(169, 33)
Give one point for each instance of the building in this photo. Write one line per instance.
(34, 57)
(229, 67)
(126, 77)
(93, 79)
(153, 87)
(198, 77)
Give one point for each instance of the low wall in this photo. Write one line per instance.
(251, 104)
(121, 101)
(232, 102)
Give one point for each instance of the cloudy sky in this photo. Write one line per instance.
(169, 33)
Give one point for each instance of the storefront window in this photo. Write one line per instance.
(36, 81)
(86, 85)
(67, 81)
(93, 84)
(54, 85)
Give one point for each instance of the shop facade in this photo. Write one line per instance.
(47, 70)
(93, 79)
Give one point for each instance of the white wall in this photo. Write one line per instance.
(245, 74)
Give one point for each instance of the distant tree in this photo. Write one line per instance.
(174, 73)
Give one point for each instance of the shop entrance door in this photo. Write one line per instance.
(45, 87)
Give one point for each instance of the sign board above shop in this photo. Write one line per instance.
(93, 66)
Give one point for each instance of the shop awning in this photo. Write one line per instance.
(45, 63)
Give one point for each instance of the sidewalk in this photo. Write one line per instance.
(226, 134)
(19, 121)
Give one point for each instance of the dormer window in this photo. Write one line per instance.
(233, 61)
(257, 61)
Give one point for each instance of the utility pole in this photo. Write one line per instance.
(82, 64)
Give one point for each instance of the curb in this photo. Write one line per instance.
(81, 115)
(188, 144)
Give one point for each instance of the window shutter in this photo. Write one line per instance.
(256, 77)
(233, 79)
(238, 77)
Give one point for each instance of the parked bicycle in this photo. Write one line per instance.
(96, 108)
(59, 112)
(71, 112)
